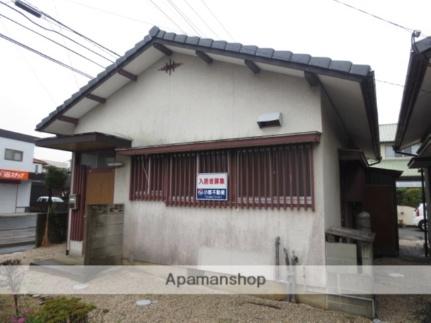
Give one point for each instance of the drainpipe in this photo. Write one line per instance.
(425, 215)
(69, 210)
(423, 199)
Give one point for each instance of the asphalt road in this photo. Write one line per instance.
(410, 233)
(411, 242)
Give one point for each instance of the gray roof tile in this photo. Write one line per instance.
(192, 40)
(300, 58)
(320, 62)
(169, 36)
(205, 42)
(361, 70)
(265, 52)
(282, 55)
(250, 50)
(233, 47)
(154, 31)
(342, 66)
(219, 44)
(180, 38)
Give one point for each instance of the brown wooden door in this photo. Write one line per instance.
(380, 202)
(100, 186)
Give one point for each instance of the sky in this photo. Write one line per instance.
(32, 86)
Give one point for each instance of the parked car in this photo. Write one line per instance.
(44, 199)
(419, 217)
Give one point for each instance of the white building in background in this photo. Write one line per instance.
(397, 161)
(40, 165)
(16, 164)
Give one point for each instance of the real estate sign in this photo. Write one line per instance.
(211, 187)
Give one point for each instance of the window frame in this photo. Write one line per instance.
(13, 152)
(177, 181)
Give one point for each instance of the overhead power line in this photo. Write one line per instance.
(167, 16)
(38, 13)
(185, 18)
(45, 56)
(201, 19)
(51, 40)
(218, 21)
(390, 83)
(374, 16)
(400, 85)
(112, 13)
(56, 32)
(35, 75)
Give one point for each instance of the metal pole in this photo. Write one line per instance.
(424, 213)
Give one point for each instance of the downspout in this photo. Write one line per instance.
(69, 210)
(423, 199)
(425, 215)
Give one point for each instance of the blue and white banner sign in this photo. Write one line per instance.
(211, 187)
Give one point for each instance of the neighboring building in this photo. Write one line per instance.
(414, 124)
(41, 164)
(395, 160)
(16, 163)
(271, 126)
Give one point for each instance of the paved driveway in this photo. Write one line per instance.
(411, 242)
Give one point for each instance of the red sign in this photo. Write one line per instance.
(13, 175)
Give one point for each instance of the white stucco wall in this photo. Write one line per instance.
(334, 137)
(27, 148)
(14, 197)
(200, 102)
(204, 102)
(200, 236)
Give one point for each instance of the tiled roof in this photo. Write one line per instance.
(322, 65)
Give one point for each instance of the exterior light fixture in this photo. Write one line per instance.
(272, 119)
(115, 164)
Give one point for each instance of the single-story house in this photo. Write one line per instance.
(414, 124)
(215, 149)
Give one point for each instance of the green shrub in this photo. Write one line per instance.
(409, 196)
(62, 309)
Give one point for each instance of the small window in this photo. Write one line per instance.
(149, 175)
(11, 154)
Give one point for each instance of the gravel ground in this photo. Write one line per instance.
(401, 308)
(227, 308)
(208, 308)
